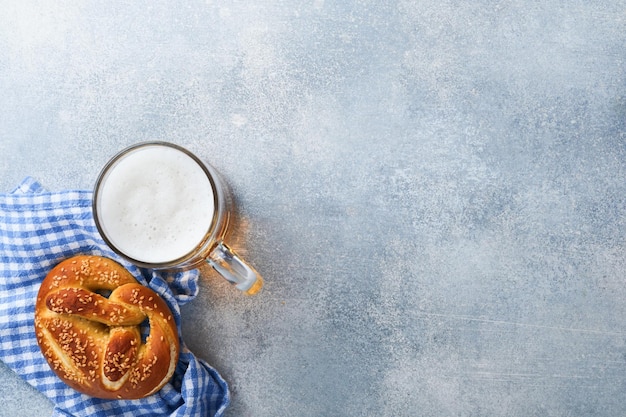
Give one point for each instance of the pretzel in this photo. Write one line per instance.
(93, 342)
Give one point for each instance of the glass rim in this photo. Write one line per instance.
(208, 236)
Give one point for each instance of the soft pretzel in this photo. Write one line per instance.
(87, 321)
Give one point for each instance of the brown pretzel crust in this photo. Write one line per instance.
(93, 342)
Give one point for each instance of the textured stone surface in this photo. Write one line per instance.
(433, 190)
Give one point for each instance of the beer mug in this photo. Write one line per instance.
(159, 206)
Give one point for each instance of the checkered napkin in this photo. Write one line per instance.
(38, 229)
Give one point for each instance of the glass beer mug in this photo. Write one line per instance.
(161, 207)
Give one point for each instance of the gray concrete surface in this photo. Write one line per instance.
(434, 190)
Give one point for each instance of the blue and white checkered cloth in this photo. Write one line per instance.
(38, 229)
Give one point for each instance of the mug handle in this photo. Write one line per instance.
(230, 265)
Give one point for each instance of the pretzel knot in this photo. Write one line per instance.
(88, 320)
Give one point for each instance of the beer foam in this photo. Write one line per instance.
(156, 204)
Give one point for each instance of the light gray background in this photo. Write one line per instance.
(434, 190)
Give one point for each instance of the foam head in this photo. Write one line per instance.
(155, 204)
